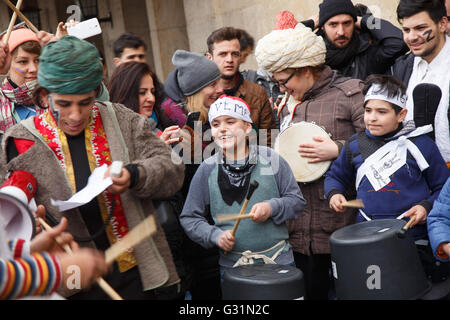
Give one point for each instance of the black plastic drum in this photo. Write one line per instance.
(371, 261)
(263, 282)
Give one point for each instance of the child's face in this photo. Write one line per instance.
(380, 117)
(229, 134)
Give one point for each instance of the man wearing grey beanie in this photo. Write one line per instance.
(358, 44)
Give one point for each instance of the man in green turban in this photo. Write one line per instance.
(61, 148)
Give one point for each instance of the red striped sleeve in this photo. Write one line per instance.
(58, 272)
(26, 280)
(18, 248)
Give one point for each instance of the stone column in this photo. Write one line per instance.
(4, 16)
(111, 31)
(48, 13)
(167, 31)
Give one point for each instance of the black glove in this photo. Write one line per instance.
(191, 118)
(362, 10)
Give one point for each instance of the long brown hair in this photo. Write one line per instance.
(124, 88)
(125, 82)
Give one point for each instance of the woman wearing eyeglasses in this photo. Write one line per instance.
(314, 93)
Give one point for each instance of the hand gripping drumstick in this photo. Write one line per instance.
(252, 189)
(102, 283)
(402, 232)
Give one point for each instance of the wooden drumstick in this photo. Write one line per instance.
(403, 230)
(252, 189)
(100, 281)
(357, 203)
(408, 225)
(229, 217)
(12, 22)
(143, 230)
(21, 15)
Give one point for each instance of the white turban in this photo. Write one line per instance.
(290, 48)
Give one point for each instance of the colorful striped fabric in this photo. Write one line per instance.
(38, 274)
(16, 246)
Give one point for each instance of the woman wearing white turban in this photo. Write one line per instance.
(295, 57)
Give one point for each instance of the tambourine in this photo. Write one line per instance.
(287, 146)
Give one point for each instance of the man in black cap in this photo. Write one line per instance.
(358, 44)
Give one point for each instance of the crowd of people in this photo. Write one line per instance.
(194, 144)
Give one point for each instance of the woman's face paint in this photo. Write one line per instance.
(24, 67)
(20, 72)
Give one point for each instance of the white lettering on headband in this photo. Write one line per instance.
(376, 92)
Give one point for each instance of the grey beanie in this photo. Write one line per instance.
(194, 71)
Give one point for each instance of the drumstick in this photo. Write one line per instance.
(229, 217)
(100, 281)
(357, 203)
(12, 22)
(403, 230)
(20, 14)
(252, 188)
(143, 230)
(408, 225)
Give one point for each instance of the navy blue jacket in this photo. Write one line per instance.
(409, 186)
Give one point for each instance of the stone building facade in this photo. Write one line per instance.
(168, 25)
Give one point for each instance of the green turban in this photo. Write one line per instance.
(70, 66)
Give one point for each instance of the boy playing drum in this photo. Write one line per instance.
(221, 183)
(397, 169)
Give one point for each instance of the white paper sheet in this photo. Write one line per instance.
(96, 185)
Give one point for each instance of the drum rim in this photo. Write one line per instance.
(369, 238)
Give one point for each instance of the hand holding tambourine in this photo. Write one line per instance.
(322, 149)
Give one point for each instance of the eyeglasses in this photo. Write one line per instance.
(285, 82)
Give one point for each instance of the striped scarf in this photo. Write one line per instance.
(9, 97)
(22, 95)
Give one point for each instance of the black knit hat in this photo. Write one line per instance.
(331, 8)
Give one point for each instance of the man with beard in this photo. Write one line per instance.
(357, 46)
(424, 24)
(225, 50)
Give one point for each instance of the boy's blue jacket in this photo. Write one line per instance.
(438, 220)
(409, 186)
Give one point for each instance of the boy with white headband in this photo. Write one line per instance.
(397, 169)
(221, 183)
